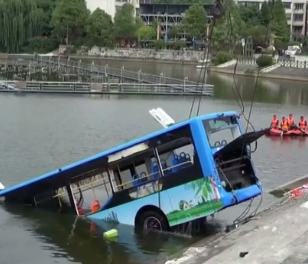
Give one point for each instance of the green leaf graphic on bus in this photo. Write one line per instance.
(203, 202)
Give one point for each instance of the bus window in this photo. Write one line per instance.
(221, 131)
(91, 189)
(178, 156)
(140, 176)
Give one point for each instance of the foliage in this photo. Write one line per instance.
(278, 24)
(264, 61)
(99, 28)
(68, 19)
(19, 21)
(195, 21)
(177, 45)
(268, 22)
(203, 2)
(46, 8)
(228, 30)
(250, 15)
(125, 25)
(40, 45)
(221, 57)
(265, 13)
(146, 33)
(159, 44)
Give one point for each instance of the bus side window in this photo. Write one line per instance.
(177, 158)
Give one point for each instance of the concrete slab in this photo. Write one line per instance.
(290, 72)
(242, 67)
(278, 235)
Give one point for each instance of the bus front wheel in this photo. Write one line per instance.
(152, 220)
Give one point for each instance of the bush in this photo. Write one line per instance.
(159, 44)
(221, 57)
(264, 61)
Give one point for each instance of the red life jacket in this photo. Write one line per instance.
(274, 122)
(302, 124)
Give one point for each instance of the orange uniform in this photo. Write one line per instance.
(284, 124)
(275, 122)
(302, 124)
(290, 121)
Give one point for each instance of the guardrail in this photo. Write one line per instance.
(78, 66)
(103, 88)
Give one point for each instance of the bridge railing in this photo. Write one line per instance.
(119, 72)
(103, 87)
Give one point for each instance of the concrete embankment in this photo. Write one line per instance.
(282, 73)
(149, 55)
(278, 235)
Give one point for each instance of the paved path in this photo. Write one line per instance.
(277, 236)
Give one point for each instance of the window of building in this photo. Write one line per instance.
(287, 5)
(298, 17)
(297, 29)
(298, 6)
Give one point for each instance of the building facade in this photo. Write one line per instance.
(169, 15)
(296, 12)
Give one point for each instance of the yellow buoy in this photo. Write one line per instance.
(111, 233)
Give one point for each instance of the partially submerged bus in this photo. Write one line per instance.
(184, 172)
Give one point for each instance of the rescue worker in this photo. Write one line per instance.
(275, 122)
(302, 124)
(291, 121)
(284, 124)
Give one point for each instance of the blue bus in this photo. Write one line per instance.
(181, 173)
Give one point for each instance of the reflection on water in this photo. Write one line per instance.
(43, 132)
(79, 240)
(268, 90)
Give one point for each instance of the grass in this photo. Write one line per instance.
(198, 211)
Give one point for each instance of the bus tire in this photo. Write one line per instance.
(153, 220)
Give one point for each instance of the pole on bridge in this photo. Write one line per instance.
(122, 70)
(161, 77)
(185, 81)
(139, 75)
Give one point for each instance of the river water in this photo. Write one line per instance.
(42, 132)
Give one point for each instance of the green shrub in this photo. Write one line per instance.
(159, 44)
(264, 61)
(221, 57)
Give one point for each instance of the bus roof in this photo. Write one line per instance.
(59, 173)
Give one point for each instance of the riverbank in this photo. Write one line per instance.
(282, 73)
(146, 60)
(266, 238)
(185, 57)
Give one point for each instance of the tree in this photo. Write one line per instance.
(99, 28)
(195, 21)
(46, 8)
(19, 21)
(125, 25)
(265, 13)
(278, 24)
(250, 15)
(68, 19)
(228, 30)
(203, 2)
(146, 33)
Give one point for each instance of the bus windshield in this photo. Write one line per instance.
(221, 131)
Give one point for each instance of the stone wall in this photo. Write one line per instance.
(168, 55)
